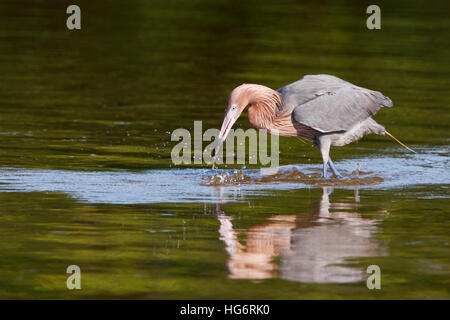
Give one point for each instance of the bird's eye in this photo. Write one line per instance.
(234, 107)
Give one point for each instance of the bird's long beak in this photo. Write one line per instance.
(228, 122)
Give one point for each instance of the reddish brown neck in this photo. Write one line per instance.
(265, 111)
(264, 105)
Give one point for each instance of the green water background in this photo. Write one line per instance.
(108, 96)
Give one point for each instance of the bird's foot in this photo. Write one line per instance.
(336, 173)
(339, 176)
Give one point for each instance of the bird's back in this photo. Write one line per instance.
(329, 104)
(308, 88)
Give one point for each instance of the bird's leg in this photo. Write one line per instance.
(324, 147)
(325, 171)
(333, 168)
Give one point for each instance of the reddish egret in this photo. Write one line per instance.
(323, 109)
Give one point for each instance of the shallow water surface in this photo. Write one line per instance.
(86, 176)
(429, 167)
(291, 227)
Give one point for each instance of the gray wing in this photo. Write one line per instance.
(308, 88)
(328, 104)
(340, 110)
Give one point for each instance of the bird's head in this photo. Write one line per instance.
(241, 97)
(237, 101)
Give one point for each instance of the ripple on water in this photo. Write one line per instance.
(387, 171)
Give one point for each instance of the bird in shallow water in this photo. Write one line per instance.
(323, 109)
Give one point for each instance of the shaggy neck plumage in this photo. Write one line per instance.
(265, 104)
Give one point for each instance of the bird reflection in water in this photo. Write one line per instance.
(311, 248)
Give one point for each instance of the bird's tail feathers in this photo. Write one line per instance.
(399, 142)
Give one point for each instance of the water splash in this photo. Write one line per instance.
(291, 174)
